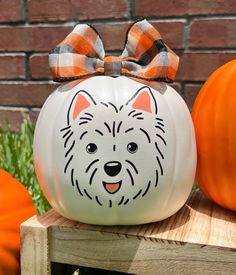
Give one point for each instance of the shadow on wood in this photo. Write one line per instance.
(202, 204)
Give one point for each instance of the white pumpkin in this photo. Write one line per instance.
(114, 151)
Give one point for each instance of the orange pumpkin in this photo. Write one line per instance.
(15, 207)
(214, 117)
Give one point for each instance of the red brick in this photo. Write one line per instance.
(12, 67)
(33, 114)
(172, 32)
(184, 7)
(114, 35)
(24, 94)
(160, 7)
(199, 66)
(31, 38)
(39, 68)
(36, 38)
(44, 10)
(211, 7)
(191, 92)
(219, 33)
(13, 117)
(10, 10)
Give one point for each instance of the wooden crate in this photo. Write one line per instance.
(199, 239)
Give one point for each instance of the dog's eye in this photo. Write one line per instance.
(132, 147)
(91, 148)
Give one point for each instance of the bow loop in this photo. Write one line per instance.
(145, 55)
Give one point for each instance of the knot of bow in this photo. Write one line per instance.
(145, 55)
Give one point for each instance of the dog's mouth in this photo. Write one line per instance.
(112, 187)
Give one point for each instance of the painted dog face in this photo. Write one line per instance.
(114, 154)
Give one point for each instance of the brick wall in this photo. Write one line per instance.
(202, 32)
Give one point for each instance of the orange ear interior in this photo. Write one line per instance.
(80, 104)
(143, 102)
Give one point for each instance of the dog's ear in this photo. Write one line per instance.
(80, 102)
(143, 100)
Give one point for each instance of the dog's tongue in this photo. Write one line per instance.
(112, 187)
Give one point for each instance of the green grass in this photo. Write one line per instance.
(16, 157)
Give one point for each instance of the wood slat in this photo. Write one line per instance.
(201, 237)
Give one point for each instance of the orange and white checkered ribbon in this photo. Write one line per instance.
(145, 55)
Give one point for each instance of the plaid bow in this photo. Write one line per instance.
(145, 55)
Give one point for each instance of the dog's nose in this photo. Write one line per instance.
(112, 168)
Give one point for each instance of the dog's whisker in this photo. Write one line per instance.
(99, 132)
(160, 165)
(161, 124)
(104, 104)
(131, 177)
(128, 130)
(89, 114)
(158, 150)
(93, 174)
(97, 200)
(113, 129)
(118, 128)
(83, 122)
(66, 128)
(90, 165)
(71, 147)
(148, 186)
(85, 118)
(87, 194)
(72, 177)
(134, 167)
(137, 114)
(126, 201)
(113, 106)
(78, 188)
(158, 127)
(67, 139)
(121, 107)
(137, 195)
(131, 112)
(122, 199)
(146, 134)
(161, 138)
(66, 133)
(68, 162)
(84, 133)
(108, 127)
(156, 178)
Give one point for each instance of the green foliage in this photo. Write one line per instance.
(16, 157)
(195, 187)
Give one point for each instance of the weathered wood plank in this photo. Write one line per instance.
(34, 248)
(139, 256)
(199, 239)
